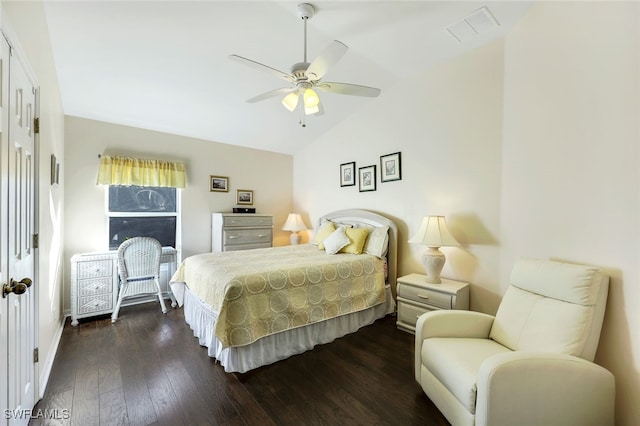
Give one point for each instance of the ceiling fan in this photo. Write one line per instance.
(305, 76)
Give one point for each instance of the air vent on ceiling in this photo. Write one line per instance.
(479, 22)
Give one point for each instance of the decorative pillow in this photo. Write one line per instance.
(326, 229)
(357, 237)
(336, 241)
(378, 241)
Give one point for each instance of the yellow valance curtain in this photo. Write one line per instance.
(136, 171)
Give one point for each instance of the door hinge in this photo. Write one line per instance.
(35, 355)
(36, 240)
(36, 125)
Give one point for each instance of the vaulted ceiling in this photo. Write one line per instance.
(164, 65)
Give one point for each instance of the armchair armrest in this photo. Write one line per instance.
(544, 388)
(455, 323)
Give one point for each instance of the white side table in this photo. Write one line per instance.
(416, 296)
(94, 283)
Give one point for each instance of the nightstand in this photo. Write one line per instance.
(416, 296)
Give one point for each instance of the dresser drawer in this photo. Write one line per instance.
(238, 247)
(425, 296)
(97, 303)
(247, 221)
(408, 314)
(95, 286)
(95, 269)
(247, 236)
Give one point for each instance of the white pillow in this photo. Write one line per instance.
(336, 241)
(377, 241)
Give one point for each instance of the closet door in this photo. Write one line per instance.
(4, 220)
(20, 306)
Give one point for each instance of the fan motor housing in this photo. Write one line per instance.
(299, 70)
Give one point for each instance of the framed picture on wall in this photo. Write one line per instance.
(348, 174)
(244, 196)
(390, 167)
(367, 178)
(218, 184)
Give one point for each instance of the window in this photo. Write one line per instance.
(143, 211)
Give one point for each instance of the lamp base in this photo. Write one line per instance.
(294, 239)
(433, 260)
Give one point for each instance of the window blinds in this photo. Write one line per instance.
(141, 172)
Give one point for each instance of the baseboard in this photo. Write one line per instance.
(47, 366)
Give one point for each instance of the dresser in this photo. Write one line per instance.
(416, 296)
(240, 231)
(94, 283)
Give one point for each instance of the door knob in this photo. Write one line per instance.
(16, 287)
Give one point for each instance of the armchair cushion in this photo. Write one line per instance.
(552, 307)
(455, 362)
(528, 321)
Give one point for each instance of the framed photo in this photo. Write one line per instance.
(348, 174)
(390, 167)
(367, 179)
(218, 184)
(244, 196)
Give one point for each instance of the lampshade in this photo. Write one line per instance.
(294, 223)
(311, 98)
(290, 101)
(433, 233)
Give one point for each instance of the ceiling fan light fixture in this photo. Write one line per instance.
(313, 110)
(311, 98)
(290, 101)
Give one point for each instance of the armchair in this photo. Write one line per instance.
(531, 364)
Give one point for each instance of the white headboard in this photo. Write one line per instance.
(368, 218)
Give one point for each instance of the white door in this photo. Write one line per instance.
(20, 253)
(4, 219)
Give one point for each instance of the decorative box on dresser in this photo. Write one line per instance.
(94, 283)
(416, 296)
(240, 231)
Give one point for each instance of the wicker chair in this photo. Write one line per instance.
(139, 270)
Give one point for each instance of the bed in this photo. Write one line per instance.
(255, 307)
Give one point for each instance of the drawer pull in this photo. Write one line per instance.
(262, 236)
(233, 237)
(422, 296)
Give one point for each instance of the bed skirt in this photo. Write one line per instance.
(267, 350)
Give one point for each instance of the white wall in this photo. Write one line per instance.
(529, 147)
(85, 224)
(571, 160)
(450, 142)
(27, 22)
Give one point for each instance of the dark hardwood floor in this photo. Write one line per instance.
(148, 369)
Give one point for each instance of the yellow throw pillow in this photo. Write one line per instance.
(357, 236)
(325, 230)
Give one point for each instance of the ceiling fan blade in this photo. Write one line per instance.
(262, 67)
(348, 89)
(326, 59)
(271, 94)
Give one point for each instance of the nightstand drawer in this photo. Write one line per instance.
(95, 269)
(408, 314)
(95, 286)
(425, 296)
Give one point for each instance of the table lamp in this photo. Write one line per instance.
(433, 233)
(294, 224)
